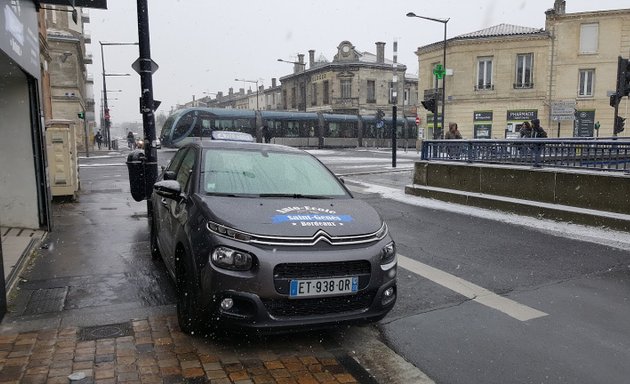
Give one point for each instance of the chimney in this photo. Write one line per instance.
(311, 57)
(560, 7)
(300, 67)
(231, 91)
(380, 52)
(273, 82)
(219, 95)
(241, 91)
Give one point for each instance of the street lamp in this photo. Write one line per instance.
(254, 82)
(296, 63)
(443, 21)
(105, 108)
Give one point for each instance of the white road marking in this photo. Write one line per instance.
(474, 292)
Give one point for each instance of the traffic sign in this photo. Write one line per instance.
(562, 110)
(417, 120)
(136, 66)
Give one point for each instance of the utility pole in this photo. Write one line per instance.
(146, 69)
(394, 104)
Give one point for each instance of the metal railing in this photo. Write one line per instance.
(608, 154)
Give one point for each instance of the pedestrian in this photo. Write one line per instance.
(537, 130)
(99, 139)
(453, 149)
(131, 140)
(526, 130)
(453, 132)
(266, 132)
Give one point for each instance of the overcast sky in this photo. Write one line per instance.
(202, 45)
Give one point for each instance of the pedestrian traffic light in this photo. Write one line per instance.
(623, 78)
(380, 114)
(430, 105)
(619, 123)
(81, 115)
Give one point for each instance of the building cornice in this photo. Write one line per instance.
(457, 41)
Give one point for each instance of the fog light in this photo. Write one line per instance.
(389, 295)
(392, 273)
(228, 303)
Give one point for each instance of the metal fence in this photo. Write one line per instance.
(608, 154)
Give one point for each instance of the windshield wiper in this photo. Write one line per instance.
(294, 196)
(223, 194)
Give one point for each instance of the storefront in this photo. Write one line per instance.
(515, 119)
(482, 122)
(435, 133)
(24, 192)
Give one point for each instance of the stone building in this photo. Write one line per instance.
(352, 83)
(71, 88)
(500, 76)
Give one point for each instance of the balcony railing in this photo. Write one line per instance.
(523, 85)
(484, 87)
(345, 102)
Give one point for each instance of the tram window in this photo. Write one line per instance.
(183, 126)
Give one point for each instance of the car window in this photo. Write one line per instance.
(184, 172)
(267, 172)
(177, 159)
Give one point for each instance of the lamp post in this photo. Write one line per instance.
(443, 21)
(251, 81)
(105, 108)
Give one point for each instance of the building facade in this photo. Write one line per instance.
(500, 76)
(352, 83)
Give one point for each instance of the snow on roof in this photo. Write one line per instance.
(501, 30)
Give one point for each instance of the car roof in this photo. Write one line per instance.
(220, 144)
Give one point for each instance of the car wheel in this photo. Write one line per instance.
(155, 250)
(188, 314)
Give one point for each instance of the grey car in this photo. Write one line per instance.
(265, 237)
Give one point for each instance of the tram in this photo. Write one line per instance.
(296, 129)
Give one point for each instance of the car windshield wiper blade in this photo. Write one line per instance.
(224, 194)
(294, 195)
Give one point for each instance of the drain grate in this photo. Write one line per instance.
(105, 331)
(46, 300)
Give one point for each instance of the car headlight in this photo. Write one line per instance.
(229, 258)
(388, 253)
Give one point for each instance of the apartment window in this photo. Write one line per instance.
(371, 91)
(589, 36)
(484, 73)
(284, 99)
(406, 94)
(314, 95)
(326, 100)
(587, 78)
(524, 65)
(346, 89)
(293, 97)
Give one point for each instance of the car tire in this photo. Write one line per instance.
(189, 316)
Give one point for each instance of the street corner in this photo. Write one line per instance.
(154, 350)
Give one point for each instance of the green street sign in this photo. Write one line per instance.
(439, 71)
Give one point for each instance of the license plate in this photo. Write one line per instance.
(321, 287)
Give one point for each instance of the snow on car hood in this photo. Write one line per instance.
(292, 216)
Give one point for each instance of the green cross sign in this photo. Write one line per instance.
(439, 71)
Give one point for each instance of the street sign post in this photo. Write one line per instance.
(563, 110)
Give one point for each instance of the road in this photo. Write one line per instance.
(483, 297)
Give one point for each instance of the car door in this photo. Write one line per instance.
(162, 206)
(176, 209)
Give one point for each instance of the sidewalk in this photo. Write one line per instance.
(93, 307)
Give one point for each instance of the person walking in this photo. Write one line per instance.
(526, 130)
(537, 130)
(266, 132)
(99, 139)
(453, 149)
(131, 140)
(453, 132)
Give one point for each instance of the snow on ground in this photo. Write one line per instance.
(603, 236)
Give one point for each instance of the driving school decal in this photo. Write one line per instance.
(307, 216)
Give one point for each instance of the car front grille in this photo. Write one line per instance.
(284, 273)
(319, 306)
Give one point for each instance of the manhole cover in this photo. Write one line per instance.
(105, 331)
(46, 300)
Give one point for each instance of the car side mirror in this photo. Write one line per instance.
(169, 189)
(170, 175)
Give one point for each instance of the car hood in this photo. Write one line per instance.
(292, 216)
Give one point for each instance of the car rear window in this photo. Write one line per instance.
(266, 172)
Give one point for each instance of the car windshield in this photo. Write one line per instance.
(267, 174)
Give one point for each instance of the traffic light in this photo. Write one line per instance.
(619, 123)
(430, 105)
(623, 78)
(380, 115)
(81, 115)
